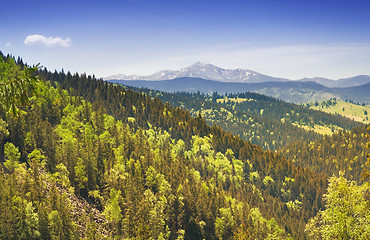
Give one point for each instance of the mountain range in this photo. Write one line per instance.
(212, 72)
(291, 91)
(207, 78)
(341, 83)
(205, 71)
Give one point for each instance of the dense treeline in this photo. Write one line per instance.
(124, 104)
(146, 183)
(343, 151)
(291, 112)
(257, 118)
(152, 171)
(262, 130)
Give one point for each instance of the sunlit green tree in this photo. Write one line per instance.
(347, 214)
(16, 85)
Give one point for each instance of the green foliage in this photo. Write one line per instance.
(164, 175)
(343, 151)
(347, 213)
(55, 224)
(12, 156)
(241, 115)
(62, 175)
(112, 210)
(366, 172)
(3, 130)
(16, 85)
(32, 222)
(350, 110)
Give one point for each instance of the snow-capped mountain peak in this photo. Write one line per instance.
(201, 70)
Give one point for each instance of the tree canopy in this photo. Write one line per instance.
(16, 85)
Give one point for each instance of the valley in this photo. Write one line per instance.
(185, 120)
(83, 158)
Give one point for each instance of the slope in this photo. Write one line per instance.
(343, 151)
(138, 110)
(287, 112)
(263, 120)
(349, 110)
(152, 170)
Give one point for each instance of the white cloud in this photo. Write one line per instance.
(47, 41)
(8, 44)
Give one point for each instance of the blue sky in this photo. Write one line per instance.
(292, 39)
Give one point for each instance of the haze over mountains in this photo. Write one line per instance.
(205, 71)
(341, 83)
(212, 72)
(208, 78)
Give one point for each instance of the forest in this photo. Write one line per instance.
(85, 159)
(329, 153)
(262, 120)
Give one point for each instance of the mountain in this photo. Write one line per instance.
(142, 170)
(208, 78)
(88, 159)
(360, 94)
(212, 72)
(323, 81)
(191, 84)
(205, 71)
(296, 92)
(341, 83)
(292, 91)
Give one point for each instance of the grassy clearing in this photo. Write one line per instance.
(238, 100)
(323, 130)
(352, 111)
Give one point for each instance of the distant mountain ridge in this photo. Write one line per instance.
(212, 72)
(205, 71)
(291, 91)
(341, 83)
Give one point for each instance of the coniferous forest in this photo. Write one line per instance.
(82, 158)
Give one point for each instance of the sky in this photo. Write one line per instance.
(285, 38)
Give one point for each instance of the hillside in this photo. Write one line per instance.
(343, 151)
(262, 120)
(255, 118)
(82, 158)
(296, 115)
(349, 110)
(151, 170)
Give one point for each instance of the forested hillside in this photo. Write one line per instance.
(288, 112)
(357, 112)
(343, 151)
(86, 158)
(262, 120)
